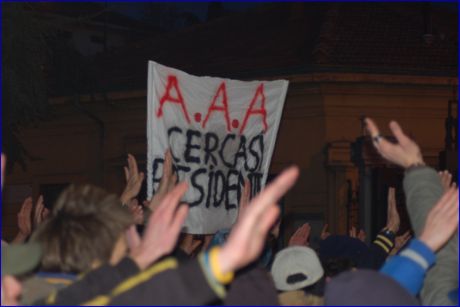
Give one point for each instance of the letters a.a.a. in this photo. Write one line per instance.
(219, 103)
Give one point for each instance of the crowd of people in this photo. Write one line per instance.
(97, 248)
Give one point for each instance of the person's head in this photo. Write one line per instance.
(86, 229)
(296, 268)
(336, 265)
(366, 288)
(342, 253)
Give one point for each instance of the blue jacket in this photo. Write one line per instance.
(409, 267)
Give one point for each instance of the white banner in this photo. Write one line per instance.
(220, 132)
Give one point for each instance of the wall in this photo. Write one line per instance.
(320, 119)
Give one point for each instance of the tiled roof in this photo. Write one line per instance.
(280, 39)
(390, 37)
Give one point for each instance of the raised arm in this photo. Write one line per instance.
(423, 189)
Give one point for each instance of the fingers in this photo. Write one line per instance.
(244, 200)
(380, 143)
(274, 191)
(171, 202)
(207, 241)
(407, 234)
(372, 127)
(167, 166)
(352, 232)
(300, 231)
(168, 180)
(444, 201)
(25, 216)
(179, 218)
(46, 213)
(324, 230)
(141, 177)
(132, 164)
(39, 207)
(126, 173)
(362, 235)
(133, 203)
(138, 213)
(27, 206)
(40, 200)
(306, 230)
(451, 204)
(195, 244)
(267, 220)
(398, 133)
(187, 239)
(442, 220)
(405, 237)
(300, 236)
(446, 179)
(172, 182)
(165, 182)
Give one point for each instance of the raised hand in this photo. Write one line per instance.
(362, 235)
(244, 199)
(137, 211)
(24, 221)
(404, 153)
(352, 232)
(275, 231)
(248, 236)
(442, 221)
(446, 180)
(393, 219)
(301, 236)
(163, 228)
(167, 183)
(324, 232)
(207, 241)
(40, 213)
(134, 180)
(189, 244)
(400, 241)
(45, 214)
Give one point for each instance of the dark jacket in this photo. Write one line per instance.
(101, 280)
(252, 287)
(164, 283)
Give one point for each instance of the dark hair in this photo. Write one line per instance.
(317, 288)
(336, 265)
(85, 224)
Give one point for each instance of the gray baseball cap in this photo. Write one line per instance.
(296, 267)
(18, 259)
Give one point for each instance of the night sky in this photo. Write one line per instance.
(135, 9)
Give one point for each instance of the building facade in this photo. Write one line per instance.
(343, 63)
